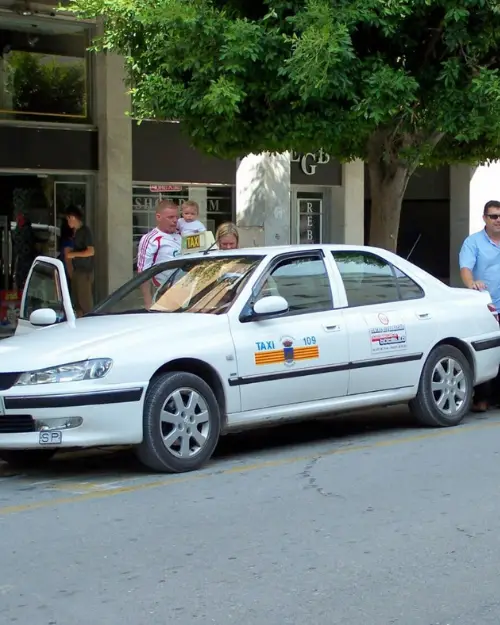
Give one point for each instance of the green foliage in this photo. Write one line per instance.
(406, 81)
(39, 85)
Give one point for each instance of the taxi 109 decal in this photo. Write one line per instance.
(287, 351)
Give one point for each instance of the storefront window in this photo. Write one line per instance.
(32, 223)
(216, 205)
(43, 70)
(219, 206)
(37, 204)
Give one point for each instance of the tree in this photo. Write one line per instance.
(398, 83)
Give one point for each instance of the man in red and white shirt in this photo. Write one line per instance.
(161, 244)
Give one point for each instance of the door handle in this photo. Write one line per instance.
(423, 315)
(331, 328)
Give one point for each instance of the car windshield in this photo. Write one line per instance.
(197, 285)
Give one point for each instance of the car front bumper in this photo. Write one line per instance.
(45, 417)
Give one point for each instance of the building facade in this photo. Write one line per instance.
(65, 139)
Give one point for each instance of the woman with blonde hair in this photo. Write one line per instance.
(227, 236)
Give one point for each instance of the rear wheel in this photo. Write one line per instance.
(27, 458)
(181, 423)
(446, 388)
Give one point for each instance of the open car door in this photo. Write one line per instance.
(46, 300)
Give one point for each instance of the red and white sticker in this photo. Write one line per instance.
(388, 338)
(164, 188)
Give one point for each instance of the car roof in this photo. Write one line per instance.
(276, 250)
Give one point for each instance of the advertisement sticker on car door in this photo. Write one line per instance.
(386, 335)
(388, 338)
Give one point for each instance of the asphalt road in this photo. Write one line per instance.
(368, 520)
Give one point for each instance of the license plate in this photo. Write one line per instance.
(50, 438)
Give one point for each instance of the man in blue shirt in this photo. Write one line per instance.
(480, 269)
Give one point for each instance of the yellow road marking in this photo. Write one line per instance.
(78, 486)
(191, 477)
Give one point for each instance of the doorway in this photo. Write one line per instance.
(68, 193)
(32, 208)
(5, 251)
(9, 298)
(43, 199)
(310, 214)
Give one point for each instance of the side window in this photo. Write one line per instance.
(407, 288)
(303, 282)
(43, 290)
(369, 279)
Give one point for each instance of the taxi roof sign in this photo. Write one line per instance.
(192, 243)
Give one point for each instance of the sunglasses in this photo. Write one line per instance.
(494, 217)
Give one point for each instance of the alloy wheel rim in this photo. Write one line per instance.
(449, 386)
(185, 423)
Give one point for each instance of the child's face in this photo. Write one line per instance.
(189, 213)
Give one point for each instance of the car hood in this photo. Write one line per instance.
(94, 337)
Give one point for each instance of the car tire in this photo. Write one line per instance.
(181, 423)
(445, 390)
(27, 458)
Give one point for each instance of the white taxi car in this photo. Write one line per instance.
(236, 340)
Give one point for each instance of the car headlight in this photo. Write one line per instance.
(74, 372)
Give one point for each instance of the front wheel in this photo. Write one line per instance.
(181, 424)
(446, 388)
(26, 458)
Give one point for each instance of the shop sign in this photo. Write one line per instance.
(144, 203)
(310, 213)
(214, 206)
(309, 162)
(147, 203)
(164, 188)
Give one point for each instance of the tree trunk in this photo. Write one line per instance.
(388, 184)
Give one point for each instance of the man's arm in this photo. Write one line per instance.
(67, 261)
(145, 259)
(467, 277)
(467, 260)
(86, 253)
(147, 295)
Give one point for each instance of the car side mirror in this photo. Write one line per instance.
(271, 305)
(43, 317)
